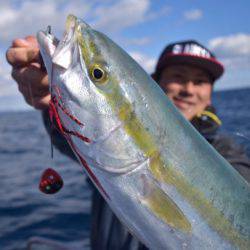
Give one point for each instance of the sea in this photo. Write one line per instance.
(25, 152)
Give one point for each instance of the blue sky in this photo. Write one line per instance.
(141, 27)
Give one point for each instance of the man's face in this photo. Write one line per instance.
(188, 87)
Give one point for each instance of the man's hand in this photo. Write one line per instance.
(28, 72)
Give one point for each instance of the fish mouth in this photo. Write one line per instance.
(60, 51)
(47, 41)
(57, 52)
(63, 53)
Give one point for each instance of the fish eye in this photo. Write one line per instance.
(98, 74)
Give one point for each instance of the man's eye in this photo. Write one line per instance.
(177, 77)
(200, 81)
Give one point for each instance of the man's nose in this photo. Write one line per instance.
(189, 86)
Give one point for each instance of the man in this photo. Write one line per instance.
(186, 71)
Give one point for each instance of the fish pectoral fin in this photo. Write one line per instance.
(163, 207)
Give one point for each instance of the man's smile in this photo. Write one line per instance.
(182, 103)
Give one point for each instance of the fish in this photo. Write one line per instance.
(161, 178)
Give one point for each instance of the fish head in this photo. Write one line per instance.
(86, 85)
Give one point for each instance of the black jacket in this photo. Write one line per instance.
(107, 233)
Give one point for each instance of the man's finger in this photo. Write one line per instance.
(41, 102)
(33, 92)
(38, 100)
(27, 42)
(32, 41)
(19, 57)
(19, 42)
(31, 75)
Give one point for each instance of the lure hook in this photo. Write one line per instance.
(48, 31)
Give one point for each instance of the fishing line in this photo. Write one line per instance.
(50, 182)
(48, 31)
(31, 94)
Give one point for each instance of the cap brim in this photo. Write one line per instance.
(211, 65)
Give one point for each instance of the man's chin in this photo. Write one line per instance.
(187, 113)
(185, 108)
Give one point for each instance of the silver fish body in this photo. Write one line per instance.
(160, 177)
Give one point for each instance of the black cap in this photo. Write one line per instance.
(192, 53)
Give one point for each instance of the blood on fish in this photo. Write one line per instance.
(83, 138)
(63, 108)
(53, 114)
(69, 115)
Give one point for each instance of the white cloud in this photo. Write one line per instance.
(31, 16)
(233, 45)
(27, 17)
(145, 61)
(121, 14)
(193, 15)
(7, 15)
(233, 50)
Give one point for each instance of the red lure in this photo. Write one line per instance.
(51, 182)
